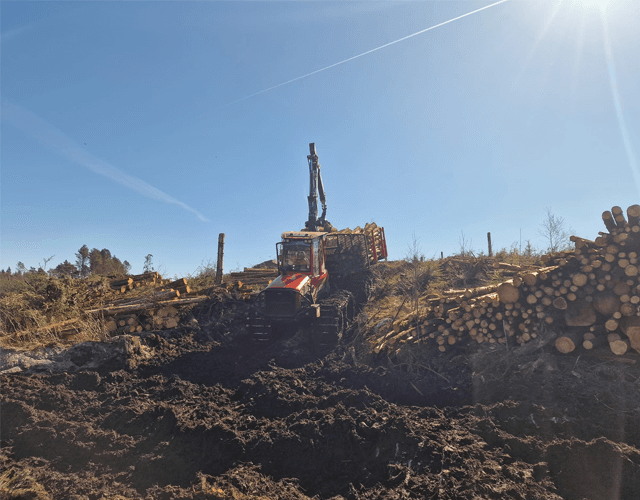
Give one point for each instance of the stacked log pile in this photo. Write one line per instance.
(157, 318)
(162, 289)
(179, 286)
(157, 309)
(123, 285)
(253, 279)
(590, 296)
(375, 236)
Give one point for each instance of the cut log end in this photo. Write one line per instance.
(619, 347)
(566, 343)
(508, 293)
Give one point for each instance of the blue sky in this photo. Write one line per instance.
(142, 127)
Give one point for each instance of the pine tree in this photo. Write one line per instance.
(82, 260)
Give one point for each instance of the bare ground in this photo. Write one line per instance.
(197, 413)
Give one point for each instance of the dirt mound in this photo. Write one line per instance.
(209, 418)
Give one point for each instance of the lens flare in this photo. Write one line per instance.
(600, 5)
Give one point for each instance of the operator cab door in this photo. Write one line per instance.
(321, 256)
(316, 257)
(319, 267)
(320, 278)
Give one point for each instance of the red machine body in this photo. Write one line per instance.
(312, 261)
(308, 260)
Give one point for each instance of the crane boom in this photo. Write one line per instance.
(315, 187)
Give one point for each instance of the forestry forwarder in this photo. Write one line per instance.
(308, 260)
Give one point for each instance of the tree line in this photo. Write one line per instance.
(87, 262)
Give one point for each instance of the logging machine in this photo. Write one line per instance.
(320, 272)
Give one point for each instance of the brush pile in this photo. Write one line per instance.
(95, 307)
(590, 296)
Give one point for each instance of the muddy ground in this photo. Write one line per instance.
(190, 413)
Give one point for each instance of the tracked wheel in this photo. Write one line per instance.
(265, 332)
(260, 330)
(336, 315)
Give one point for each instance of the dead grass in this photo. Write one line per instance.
(15, 484)
(84, 330)
(25, 316)
(514, 255)
(402, 287)
(204, 276)
(19, 312)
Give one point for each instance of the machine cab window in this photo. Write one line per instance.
(294, 256)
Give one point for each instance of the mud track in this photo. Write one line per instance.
(212, 419)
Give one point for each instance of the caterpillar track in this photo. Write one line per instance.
(323, 333)
(336, 315)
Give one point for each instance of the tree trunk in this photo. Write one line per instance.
(618, 217)
(628, 309)
(580, 279)
(178, 283)
(611, 325)
(580, 313)
(560, 303)
(591, 341)
(220, 258)
(609, 221)
(633, 214)
(142, 306)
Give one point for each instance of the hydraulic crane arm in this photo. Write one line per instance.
(315, 187)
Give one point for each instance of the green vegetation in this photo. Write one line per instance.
(88, 263)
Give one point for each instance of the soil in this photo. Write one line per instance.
(197, 413)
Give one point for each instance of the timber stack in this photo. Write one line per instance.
(158, 311)
(131, 317)
(165, 288)
(375, 235)
(161, 309)
(253, 279)
(590, 296)
(124, 285)
(158, 318)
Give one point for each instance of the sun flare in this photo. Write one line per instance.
(600, 5)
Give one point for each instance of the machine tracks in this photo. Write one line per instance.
(322, 334)
(336, 314)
